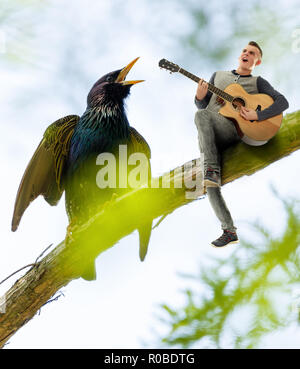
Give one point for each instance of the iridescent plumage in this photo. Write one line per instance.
(65, 160)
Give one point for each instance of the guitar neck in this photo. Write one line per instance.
(211, 87)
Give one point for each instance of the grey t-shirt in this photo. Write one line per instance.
(251, 85)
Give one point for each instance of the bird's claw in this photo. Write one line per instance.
(114, 196)
(108, 202)
(70, 229)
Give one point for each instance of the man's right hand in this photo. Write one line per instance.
(202, 89)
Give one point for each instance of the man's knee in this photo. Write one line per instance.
(202, 118)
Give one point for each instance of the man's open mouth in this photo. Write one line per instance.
(244, 59)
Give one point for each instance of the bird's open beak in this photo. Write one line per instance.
(122, 75)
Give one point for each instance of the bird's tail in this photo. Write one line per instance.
(144, 234)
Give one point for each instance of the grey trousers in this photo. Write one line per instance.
(215, 133)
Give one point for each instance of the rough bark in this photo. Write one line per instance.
(122, 216)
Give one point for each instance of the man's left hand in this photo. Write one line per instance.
(248, 114)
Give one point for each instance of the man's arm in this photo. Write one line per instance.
(280, 102)
(202, 104)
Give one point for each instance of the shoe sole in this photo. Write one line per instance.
(229, 243)
(208, 183)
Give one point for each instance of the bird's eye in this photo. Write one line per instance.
(109, 79)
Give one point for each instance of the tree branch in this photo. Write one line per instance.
(122, 216)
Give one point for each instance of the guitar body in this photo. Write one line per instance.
(259, 132)
(253, 133)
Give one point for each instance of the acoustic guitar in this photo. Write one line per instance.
(252, 132)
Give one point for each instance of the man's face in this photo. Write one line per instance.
(250, 57)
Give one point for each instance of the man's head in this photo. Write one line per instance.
(250, 57)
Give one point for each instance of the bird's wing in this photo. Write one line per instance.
(139, 144)
(44, 173)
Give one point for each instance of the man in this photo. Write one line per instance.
(216, 132)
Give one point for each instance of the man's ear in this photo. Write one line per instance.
(258, 62)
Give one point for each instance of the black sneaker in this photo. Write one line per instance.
(211, 178)
(227, 238)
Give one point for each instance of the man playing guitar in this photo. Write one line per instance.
(215, 132)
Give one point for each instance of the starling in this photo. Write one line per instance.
(66, 157)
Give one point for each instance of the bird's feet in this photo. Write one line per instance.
(113, 198)
(70, 230)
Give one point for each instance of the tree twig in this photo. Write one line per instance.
(26, 266)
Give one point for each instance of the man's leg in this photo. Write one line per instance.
(220, 208)
(215, 131)
(207, 139)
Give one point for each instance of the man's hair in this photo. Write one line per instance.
(253, 43)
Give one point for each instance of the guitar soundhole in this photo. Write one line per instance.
(237, 102)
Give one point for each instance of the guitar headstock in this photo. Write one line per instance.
(165, 64)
